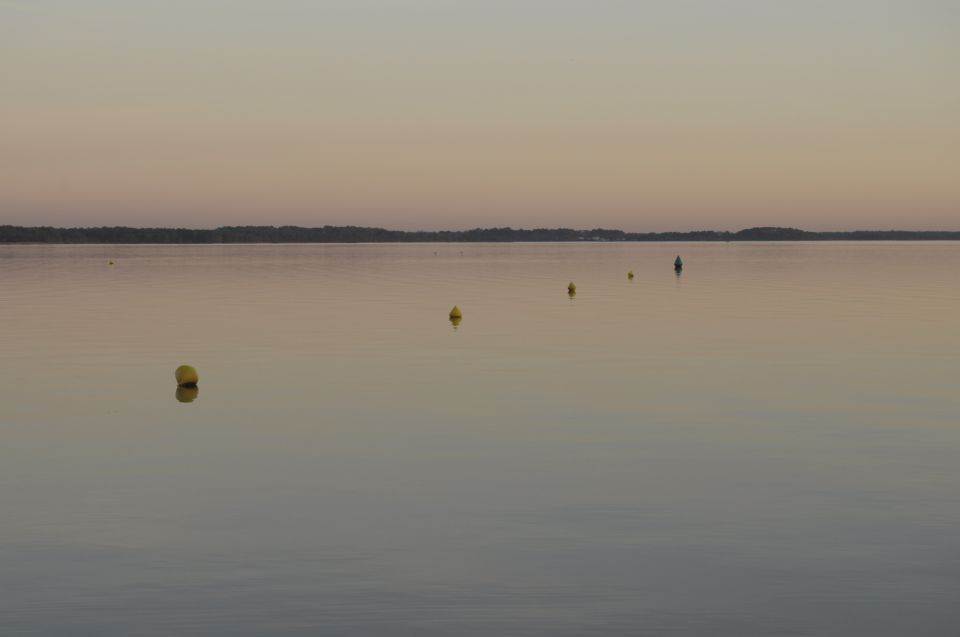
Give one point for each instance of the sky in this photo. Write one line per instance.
(450, 114)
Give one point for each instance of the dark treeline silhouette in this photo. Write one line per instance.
(355, 234)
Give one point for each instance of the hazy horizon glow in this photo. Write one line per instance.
(433, 114)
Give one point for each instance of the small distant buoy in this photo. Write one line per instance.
(186, 376)
(455, 321)
(572, 288)
(678, 263)
(630, 275)
(109, 262)
(455, 313)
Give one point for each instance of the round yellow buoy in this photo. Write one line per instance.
(630, 274)
(455, 313)
(187, 394)
(186, 376)
(572, 288)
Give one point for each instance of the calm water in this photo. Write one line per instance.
(768, 444)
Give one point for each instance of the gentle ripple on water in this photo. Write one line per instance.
(764, 445)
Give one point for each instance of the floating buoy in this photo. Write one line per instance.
(630, 275)
(678, 263)
(109, 262)
(572, 288)
(186, 376)
(187, 394)
(455, 321)
(455, 313)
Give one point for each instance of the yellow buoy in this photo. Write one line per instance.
(630, 274)
(572, 288)
(109, 262)
(455, 313)
(186, 376)
(455, 321)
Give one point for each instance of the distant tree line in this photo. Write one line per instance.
(356, 234)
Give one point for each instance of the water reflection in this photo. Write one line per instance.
(187, 394)
(639, 460)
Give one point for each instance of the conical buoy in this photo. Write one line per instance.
(678, 263)
(186, 376)
(572, 288)
(455, 313)
(630, 275)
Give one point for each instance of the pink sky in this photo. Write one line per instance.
(443, 114)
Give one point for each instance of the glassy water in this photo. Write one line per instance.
(767, 444)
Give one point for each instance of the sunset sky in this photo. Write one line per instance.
(668, 115)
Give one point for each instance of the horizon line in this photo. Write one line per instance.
(8, 226)
(359, 234)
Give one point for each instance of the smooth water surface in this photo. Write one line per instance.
(768, 444)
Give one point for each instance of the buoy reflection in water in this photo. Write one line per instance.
(187, 394)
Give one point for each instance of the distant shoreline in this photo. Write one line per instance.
(356, 234)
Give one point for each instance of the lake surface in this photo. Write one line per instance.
(768, 444)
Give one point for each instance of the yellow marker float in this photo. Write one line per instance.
(186, 376)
